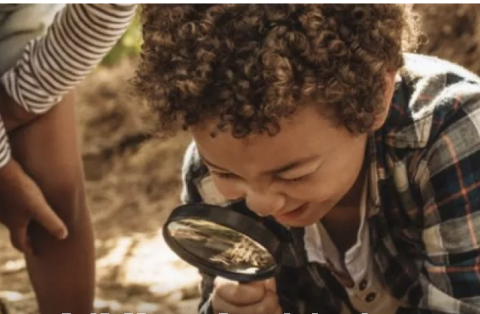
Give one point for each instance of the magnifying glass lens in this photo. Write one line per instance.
(221, 247)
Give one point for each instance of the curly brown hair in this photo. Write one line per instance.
(249, 65)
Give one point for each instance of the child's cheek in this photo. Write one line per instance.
(229, 189)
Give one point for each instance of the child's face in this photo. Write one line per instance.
(297, 176)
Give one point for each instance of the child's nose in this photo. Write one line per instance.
(265, 204)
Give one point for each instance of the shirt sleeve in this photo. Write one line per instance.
(50, 66)
(192, 169)
(4, 145)
(450, 185)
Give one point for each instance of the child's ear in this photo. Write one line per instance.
(389, 90)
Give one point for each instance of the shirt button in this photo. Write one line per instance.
(370, 297)
(363, 284)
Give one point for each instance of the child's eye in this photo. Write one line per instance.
(225, 175)
(298, 179)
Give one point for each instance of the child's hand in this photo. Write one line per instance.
(252, 298)
(21, 200)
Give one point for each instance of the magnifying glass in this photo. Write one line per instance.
(231, 242)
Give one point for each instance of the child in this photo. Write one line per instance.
(316, 115)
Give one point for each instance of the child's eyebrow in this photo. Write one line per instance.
(278, 170)
(291, 165)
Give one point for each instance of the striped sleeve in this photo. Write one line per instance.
(4, 145)
(80, 36)
(50, 66)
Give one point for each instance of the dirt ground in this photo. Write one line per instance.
(133, 183)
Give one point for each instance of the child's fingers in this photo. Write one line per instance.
(271, 285)
(19, 239)
(44, 214)
(50, 221)
(278, 309)
(27, 200)
(238, 294)
(267, 305)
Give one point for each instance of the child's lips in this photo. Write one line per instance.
(294, 214)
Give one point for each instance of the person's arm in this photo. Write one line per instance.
(52, 65)
(449, 181)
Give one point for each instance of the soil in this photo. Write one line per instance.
(133, 184)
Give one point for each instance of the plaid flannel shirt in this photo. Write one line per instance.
(423, 201)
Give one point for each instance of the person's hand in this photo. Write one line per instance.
(253, 298)
(21, 201)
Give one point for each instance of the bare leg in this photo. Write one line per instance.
(62, 272)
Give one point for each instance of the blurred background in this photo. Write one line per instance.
(133, 181)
